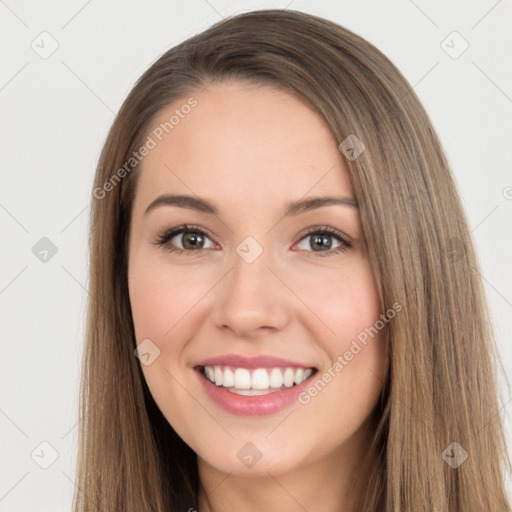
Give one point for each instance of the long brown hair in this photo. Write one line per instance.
(441, 383)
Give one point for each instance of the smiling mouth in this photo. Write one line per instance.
(255, 381)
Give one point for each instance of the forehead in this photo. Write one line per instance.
(243, 141)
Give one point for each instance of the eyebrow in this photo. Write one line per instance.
(292, 209)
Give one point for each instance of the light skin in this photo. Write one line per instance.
(251, 150)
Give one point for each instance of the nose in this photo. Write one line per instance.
(251, 300)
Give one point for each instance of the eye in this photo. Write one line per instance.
(321, 238)
(184, 239)
(189, 239)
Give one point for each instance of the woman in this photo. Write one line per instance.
(279, 317)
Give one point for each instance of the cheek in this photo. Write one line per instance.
(347, 305)
(162, 302)
(354, 342)
(161, 298)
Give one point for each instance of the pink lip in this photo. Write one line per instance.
(239, 361)
(260, 405)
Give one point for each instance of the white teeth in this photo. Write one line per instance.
(218, 375)
(252, 392)
(229, 378)
(299, 376)
(276, 378)
(242, 378)
(261, 381)
(288, 377)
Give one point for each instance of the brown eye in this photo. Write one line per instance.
(184, 239)
(320, 241)
(191, 240)
(324, 242)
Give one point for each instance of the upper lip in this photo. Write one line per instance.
(262, 361)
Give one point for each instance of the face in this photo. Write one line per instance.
(268, 300)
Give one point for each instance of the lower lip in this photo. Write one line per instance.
(259, 405)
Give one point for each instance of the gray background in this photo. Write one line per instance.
(56, 112)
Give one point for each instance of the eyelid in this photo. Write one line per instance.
(322, 228)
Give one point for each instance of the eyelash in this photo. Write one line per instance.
(164, 237)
